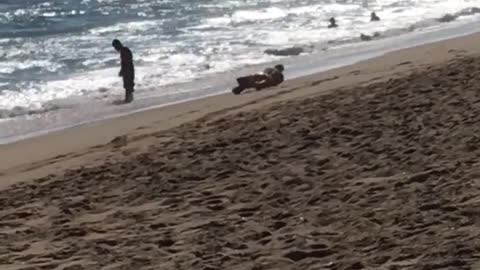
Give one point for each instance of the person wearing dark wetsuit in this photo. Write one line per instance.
(269, 78)
(127, 70)
(374, 17)
(333, 23)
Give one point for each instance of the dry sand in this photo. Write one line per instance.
(371, 166)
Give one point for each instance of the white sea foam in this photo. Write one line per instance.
(126, 27)
(253, 15)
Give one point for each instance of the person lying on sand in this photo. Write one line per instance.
(269, 78)
(374, 17)
(333, 23)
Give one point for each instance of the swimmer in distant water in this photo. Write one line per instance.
(127, 70)
(374, 17)
(333, 23)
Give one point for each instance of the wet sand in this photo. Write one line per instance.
(371, 166)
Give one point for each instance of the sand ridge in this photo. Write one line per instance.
(379, 176)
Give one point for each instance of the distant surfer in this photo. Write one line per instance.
(269, 78)
(127, 70)
(374, 17)
(333, 23)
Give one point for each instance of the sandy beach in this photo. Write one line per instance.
(370, 166)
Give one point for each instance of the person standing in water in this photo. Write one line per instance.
(333, 23)
(127, 70)
(374, 17)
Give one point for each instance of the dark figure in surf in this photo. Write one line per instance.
(333, 23)
(364, 37)
(127, 70)
(374, 17)
(269, 78)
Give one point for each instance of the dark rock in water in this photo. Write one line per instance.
(474, 10)
(463, 12)
(364, 37)
(470, 11)
(286, 51)
(447, 18)
(452, 17)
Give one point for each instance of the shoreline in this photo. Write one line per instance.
(40, 155)
(71, 116)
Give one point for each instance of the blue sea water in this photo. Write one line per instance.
(57, 54)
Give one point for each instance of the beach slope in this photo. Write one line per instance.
(371, 166)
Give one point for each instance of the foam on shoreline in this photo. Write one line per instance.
(66, 116)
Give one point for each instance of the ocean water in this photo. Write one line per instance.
(57, 66)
